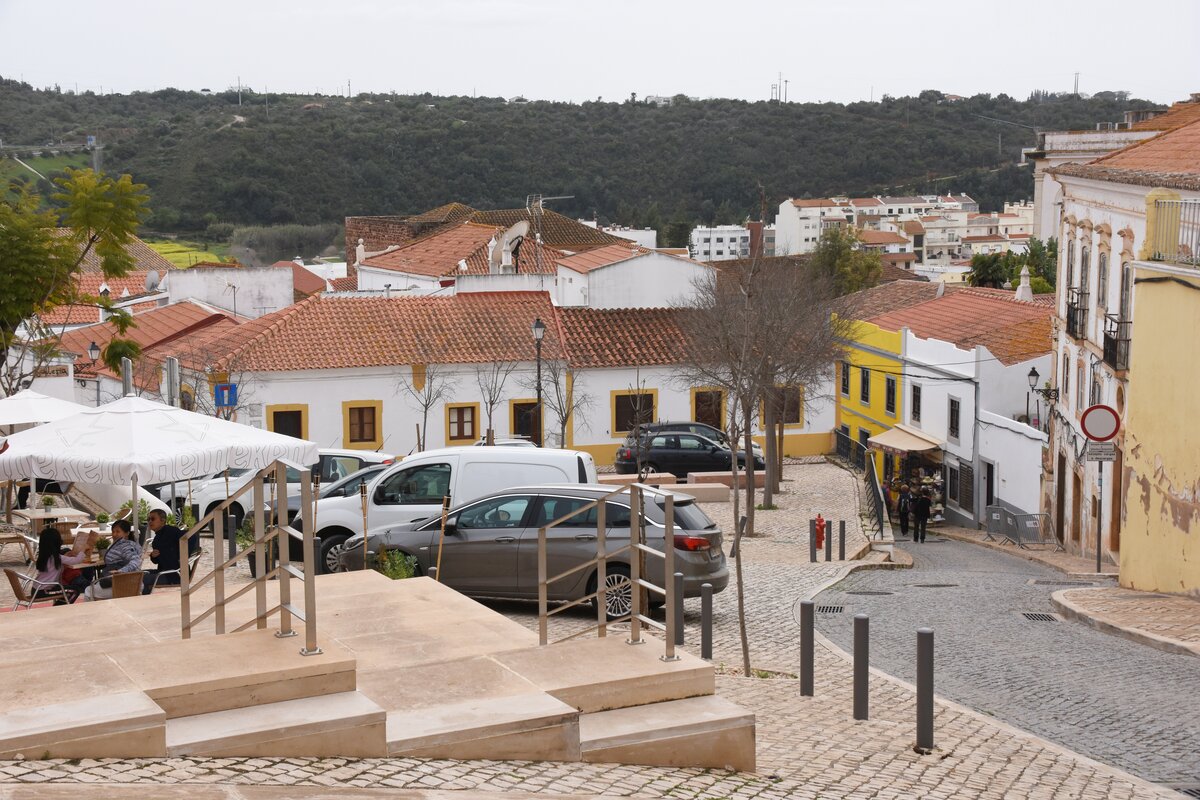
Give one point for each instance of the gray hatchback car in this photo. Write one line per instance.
(491, 544)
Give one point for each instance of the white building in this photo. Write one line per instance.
(645, 237)
(720, 243)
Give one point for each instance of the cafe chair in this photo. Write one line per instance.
(193, 562)
(27, 590)
(126, 584)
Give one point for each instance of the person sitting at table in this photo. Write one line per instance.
(164, 551)
(51, 560)
(123, 555)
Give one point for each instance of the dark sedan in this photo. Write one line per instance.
(678, 454)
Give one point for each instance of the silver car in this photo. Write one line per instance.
(490, 548)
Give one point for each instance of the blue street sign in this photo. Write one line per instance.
(225, 395)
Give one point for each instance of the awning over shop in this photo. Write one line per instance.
(903, 440)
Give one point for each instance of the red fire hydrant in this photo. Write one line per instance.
(820, 531)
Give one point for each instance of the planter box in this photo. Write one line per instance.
(726, 478)
(653, 479)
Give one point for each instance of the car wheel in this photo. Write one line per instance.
(235, 512)
(647, 469)
(331, 550)
(617, 601)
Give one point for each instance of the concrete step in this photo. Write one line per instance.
(600, 674)
(533, 727)
(188, 677)
(108, 725)
(346, 724)
(697, 732)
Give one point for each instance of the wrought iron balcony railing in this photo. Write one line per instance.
(1116, 341)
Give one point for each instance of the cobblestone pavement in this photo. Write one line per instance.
(1109, 698)
(807, 747)
(1169, 619)
(1055, 559)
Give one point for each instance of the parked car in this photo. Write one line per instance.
(678, 454)
(412, 491)
(704, 429)
(333, 465)
(490, 547)
(346, 487)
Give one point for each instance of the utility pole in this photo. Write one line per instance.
(239, 91)
(785, 83)
(1077, 84)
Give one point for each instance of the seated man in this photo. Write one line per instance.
(164, 551)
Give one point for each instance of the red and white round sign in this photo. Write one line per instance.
(1100, 423)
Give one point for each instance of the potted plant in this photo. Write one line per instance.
(102, 520)
(102, 545)
(47, 502)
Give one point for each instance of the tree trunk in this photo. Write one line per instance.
(749, 475)
(769, 484)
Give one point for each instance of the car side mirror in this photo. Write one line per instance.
(452, 525)
(714, 449)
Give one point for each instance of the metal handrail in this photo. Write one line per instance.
(637, 546)
(264, 535)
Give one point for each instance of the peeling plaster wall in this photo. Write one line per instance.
(1160, 537)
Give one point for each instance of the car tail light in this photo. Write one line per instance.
(692, 543)
(625, 454)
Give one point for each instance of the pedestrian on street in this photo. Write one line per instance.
(904, 508)
(921, 507)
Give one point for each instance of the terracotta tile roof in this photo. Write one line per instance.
(442, 215)
(878, 238)
(962, 198)
(346, 284)
(1047, 300)
(897, 258)
(304, 282)
(913, 227)
(909, 200)
(558, 231)
(329, 332)
(1182, 113)
(89, 285)
(439, 252)
(893, 273)
(1012, 331)
(1171, 160)
(144, 256)
(816, 202)
(602, 257)
(890, 296)
(620, 337)
(675, 251)
(866, 202)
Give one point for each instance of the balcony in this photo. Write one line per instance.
(1116, 341)
(1077, 313)
(1175, 238)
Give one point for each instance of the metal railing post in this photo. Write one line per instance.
(185, 595)
(219, 576)
(807, 607)
(310, 565)
(924, 690)
(635, 572)
(706, 621)
(283, 546)
(543, 636)
(672, 588)
(862, 633)
(601, 568)
(259, 555)
(677, 609)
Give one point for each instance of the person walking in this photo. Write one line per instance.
(921, 506)
(904, 508)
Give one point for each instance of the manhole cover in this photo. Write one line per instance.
(1037, 616)
(934, 585)
(1063, 583)
(871, 593)
(829, 609)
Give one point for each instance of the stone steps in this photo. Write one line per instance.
(346, 724)
(118, 725)
(696, 732)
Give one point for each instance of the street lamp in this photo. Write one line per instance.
(94, 355)
(539, 330)
(1050, 395)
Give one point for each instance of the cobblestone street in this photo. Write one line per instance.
(807, 747)
(1115, 700)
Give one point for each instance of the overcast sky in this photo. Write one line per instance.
(567, 50)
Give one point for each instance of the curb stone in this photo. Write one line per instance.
(1102, 623)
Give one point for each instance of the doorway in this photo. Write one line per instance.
(708, 409)
(527, 421)
(989, 483)
(1076, 506)
(289, 423)
(1060, 498)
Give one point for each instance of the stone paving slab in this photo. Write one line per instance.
(123, 791)
(1164, 621)
(1055, 559)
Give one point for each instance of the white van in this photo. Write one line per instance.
(413, 489)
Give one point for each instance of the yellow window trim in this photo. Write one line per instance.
(512, 415)
(451, 442)
(708, 389)
(372, 444)
(612, 405)
(762, 409)
(301, 407)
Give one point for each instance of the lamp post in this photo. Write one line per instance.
(1049, 395)
(539, 330)
(94, 355)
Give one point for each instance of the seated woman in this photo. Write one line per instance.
(123, 555)
(50, 562)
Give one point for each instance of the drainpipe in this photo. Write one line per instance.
(975, 459)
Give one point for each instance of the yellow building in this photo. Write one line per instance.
(870, 388)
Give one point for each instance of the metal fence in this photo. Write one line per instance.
(1176, 234)
(876, 505)
(850, 451)
(1027, 531)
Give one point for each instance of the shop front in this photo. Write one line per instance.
(911, 458)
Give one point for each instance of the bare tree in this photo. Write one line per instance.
(491, 379)
(760, 324)
(429, 386)
(559, 395)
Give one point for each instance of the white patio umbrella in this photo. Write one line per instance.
(28, 407)
(133, 440)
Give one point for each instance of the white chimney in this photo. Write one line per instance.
(1025, 291)
(360, 253)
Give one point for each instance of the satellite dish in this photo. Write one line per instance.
(151, 280)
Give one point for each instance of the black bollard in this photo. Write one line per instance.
(812, 540)
(807, 607)
(829, 540)
(706, 595)
(842, 540)
(924, 690)
(678, 610)
(861, 660)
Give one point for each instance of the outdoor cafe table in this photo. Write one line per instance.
(34, 515)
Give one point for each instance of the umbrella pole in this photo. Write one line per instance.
(134, 517)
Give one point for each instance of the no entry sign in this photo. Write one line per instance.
(1100, 423)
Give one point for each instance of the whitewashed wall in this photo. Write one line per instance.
(260, 290)
(377, 279)
(655, 280)
(1016, 451)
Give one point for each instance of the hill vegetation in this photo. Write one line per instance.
(308, 160)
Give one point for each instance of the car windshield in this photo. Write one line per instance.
(688, 515)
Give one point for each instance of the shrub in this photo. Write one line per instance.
(395, 564)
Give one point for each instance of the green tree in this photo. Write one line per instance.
(989, 269)
(839, 254)
(1042, 259)
(41, 252)
(1040, 285)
